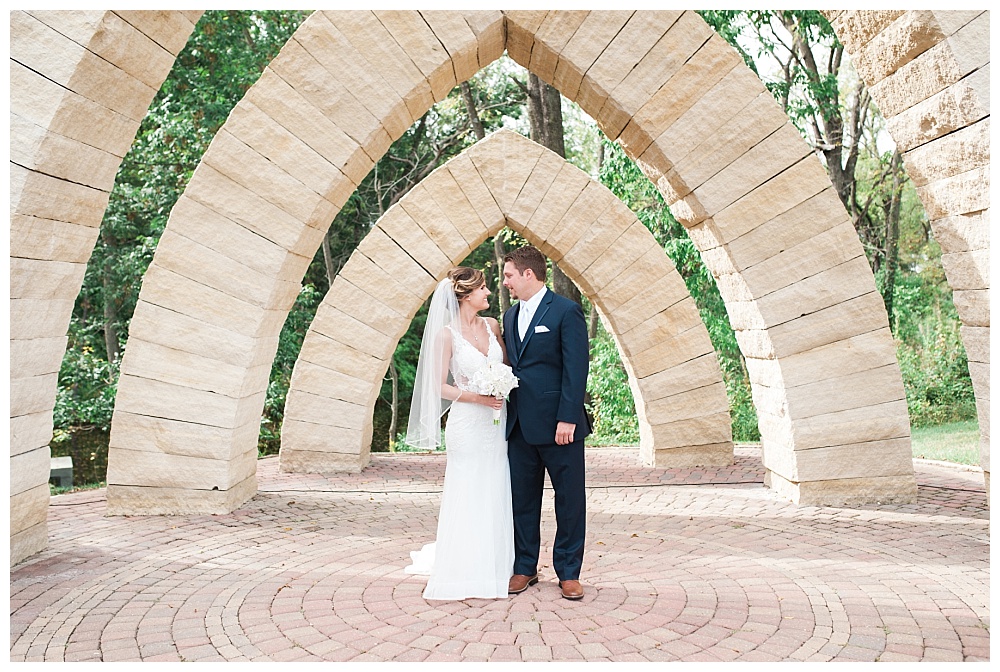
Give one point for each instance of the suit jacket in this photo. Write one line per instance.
(551, 365)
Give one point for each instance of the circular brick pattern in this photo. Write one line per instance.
(680, 565)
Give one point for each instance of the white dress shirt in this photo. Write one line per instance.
(527, 311)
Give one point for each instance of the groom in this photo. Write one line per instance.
(548, 348)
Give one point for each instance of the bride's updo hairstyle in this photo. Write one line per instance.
(465, 280)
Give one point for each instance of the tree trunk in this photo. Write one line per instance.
(892, 236)
(110, 310)
(498, 253)
(470, 107)
(594, 321)
(393, 423)
(328, 261)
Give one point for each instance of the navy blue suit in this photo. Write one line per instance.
(551, 364)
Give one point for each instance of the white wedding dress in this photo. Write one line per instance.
(474, 552)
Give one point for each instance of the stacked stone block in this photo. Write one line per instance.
(81, 82)
(507, 180)
(928, 72)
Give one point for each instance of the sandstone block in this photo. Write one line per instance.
(950, 21)
(702, 431)
(233, 201)
(340, 357)
(450, 198)
(625, 50)
(309, 462)
(37, 195)
(856, 425)
(390, 257)
(37, 318)
(977, 343)
(855, 354)
(521, 26)
(966, 192)
(855, 390)
(149, 434)
(383, 55)
(713, 61)
(415, 37)
(385, 286)
(704, 235)
(701, 401)
(973, 307)
(325, 90)
(451, 29)
(325, 411)
(565, 190)
(872, 459)
(959, 233)
(158, 362)
(154, 324)
(276, 98)
(829, 325)
(506, 169)
(49, 240)
(65, 113)
(36, 148)
(662, 62)
(586, 212)
(833, 247)
(490, 30)
(606, 267)
(324, 381)
(694, 373)
(984, 461)
(534, 189)
(856, 28)
(314, 441)
(960, 105)
(144, 396)
(767, 158)
(425, 211)
(778, 195)
(33, 395)
(29, 508)
(980, 372)
(57, 57)
(332, 321)
(712, 455)
(367, 309)
(649, 270)
(115, 40)
(169, 29)
(983, 414)
(162, 470)
(682, 348)
(599, 240)
(652, 317)
(901, 41)
(28, 432)
(846, 492)
(331, 48)
(477, 192)
(127, 500)
(400, 227)
(550, 38)
(29, 470)
(36, 357)
(27, 542)
(967, 270)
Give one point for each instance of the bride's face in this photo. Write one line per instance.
(479, 298)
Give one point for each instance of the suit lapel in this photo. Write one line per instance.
(510, 329)
(543, 308)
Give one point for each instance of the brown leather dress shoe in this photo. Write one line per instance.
(520, 582)
(571, 589)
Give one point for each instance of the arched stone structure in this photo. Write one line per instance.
(507, 180)
(929, 73)
(755, 199)
(50, 215)
(80, 83)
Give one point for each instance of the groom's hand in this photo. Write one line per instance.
(564, 433)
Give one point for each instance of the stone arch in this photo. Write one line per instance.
(80, 84)
(756, 201)
(929, 73)
(507, 180)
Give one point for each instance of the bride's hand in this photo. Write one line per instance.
(493, 402)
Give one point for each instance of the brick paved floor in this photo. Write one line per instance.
(681, 564)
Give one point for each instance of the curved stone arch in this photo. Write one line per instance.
(756, 201)
(507, 180)
(929, 73)
(81, 82)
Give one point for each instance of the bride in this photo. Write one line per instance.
(473, 555)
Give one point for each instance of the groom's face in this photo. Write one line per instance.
(514, 280)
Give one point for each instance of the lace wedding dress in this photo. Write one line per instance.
(474, 552)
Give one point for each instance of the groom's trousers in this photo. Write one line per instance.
(565, 464)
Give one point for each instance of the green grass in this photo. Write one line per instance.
(951, 442)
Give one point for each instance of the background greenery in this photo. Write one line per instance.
(226, 54)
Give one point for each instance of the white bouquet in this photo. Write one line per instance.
(495, 379)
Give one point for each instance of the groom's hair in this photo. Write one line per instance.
(527, 257)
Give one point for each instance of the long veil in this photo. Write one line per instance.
(424, 427)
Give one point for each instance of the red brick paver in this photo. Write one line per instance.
(681, 564)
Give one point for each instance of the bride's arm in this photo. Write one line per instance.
(495, 326)
(453, 393)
